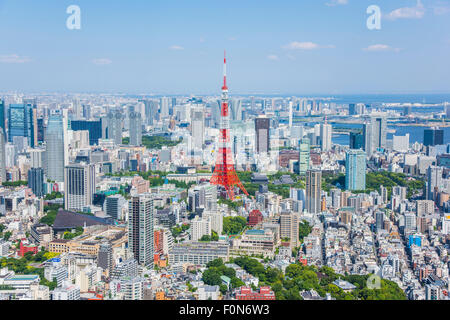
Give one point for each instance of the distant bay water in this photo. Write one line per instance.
(415, 133)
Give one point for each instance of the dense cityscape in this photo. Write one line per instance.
(315, 168)
(116, 197)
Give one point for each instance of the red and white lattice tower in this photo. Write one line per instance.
(225, 174)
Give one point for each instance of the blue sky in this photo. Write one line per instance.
(274, 47)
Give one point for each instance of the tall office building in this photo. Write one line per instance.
(434, 181)
(379, 220)
(2, 156)
(356, 140)
(236, 109)
(352, 109)
(304, 156)
(325, 136)
(198, 127)
(313, 191)
(433, 137)
(94, 128)
(135, 129)
(37, 158)
(79, 184)
(2, 117)
(262, 128)
(289, 227)
(22, 122)
(77, 109)
(149, 111)
(140, 229)
(114, 125)
(40, 129)
(55, 151)
(375, 133)
(164, 107)
(355, 166)
(400, 143)
(105, 256)
(114, 205)
(36, 181)
(31, 109)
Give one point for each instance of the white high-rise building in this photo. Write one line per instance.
(325, 136)
(37, 158)
(198, 127)
(400, 143)
(79, 184)
(200, 227)
(434, 181)
(164, 110)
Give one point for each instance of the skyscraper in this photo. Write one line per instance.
(352, 109)
(356, 140)
(198, 127)
(262, 127)
(32, 128)
(304, 157)
(36, 181)
(355, 166)
(114, 125)
(325, 136)
(2, 157)
(94, 128)
(434, 181)
(433, 137)
(379, 220)
(55, 151)
(289, 227)
(79, 186)
(313, 191)
(164, 110)
(374, 134)
(135, 129)
(21, 122)
(150, 111)
(140, 228)
(2, 117)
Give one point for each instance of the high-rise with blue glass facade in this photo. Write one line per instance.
(54, 139)
(22, 122)
(355, 165)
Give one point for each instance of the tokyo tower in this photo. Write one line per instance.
(224, 173)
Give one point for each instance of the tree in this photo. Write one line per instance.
(234, 225)
(236, 283)
(215, 263)
(211, 277)
(223, 289)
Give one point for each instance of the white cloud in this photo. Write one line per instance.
(295, 45)
(416, 12)
(272, 57)
(202, 40)
(175, 47)
(13, 58)
(380, 47)
(334, 3)
(102, 61)
(232, 38)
